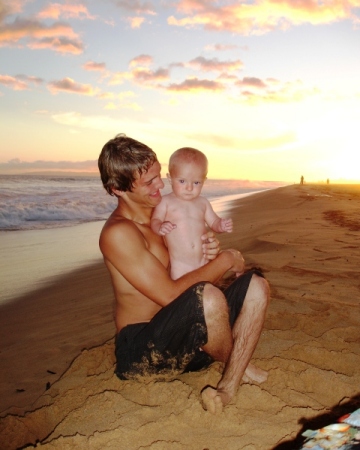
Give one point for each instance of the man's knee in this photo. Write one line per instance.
(259, 289)
(214, 301)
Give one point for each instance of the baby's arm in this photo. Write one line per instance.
(158, 223)
(222, 225)
(215, 222)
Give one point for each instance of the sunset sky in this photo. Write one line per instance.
(268, 89)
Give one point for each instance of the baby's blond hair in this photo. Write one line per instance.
(188, 155)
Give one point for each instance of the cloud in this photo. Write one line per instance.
(135, 22)
(140, 75)
(208, 65)
(15, 165)
(273, 91)
(121, 99)
(30, 79)
(94, 66)
(30, 28)
(136, 6)
(196, 85)
(58, 36)
(102, 123)
(61, 45)
(124, 105)
(261, 16)
(141, 60)
(246, 145)
(70, 86)
(19, 82)
(222, 47)
(119, 78)
(10, 7)
(251, 82)
(67, 10)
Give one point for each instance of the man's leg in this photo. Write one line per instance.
(216, 312)
(245, 333)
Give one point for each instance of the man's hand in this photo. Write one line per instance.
(166, 228)
(239, 262)
(211, 246)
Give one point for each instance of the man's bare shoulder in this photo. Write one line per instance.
(117, 230)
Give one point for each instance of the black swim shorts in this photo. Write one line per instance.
(170, 343)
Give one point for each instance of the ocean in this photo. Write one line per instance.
(35, 202)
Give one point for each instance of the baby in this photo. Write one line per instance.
(183, 214)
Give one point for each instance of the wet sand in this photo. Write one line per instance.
(305, 238)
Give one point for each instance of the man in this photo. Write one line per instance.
(172, 326)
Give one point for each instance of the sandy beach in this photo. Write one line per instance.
(58, 388)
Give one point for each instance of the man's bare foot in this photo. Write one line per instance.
(253, 373)
(212, 401)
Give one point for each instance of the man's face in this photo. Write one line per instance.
(146, 188)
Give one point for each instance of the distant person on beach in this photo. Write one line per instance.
(167, 326)
(302, 180)
(182, 215)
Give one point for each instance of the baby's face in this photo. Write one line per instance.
(187, 180)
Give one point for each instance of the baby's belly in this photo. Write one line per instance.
(185, 245)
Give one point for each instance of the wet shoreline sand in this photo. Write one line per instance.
(306, 239)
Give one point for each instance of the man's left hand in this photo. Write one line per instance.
(211, 245)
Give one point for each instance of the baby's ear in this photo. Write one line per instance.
(168, 177)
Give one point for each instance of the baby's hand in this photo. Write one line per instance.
(166, 228)
(226, 225)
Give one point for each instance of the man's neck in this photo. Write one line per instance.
(134, 212)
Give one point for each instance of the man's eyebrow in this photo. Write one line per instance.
(150, 179)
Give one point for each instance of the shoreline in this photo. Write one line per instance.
(306, 240)
(36, 257)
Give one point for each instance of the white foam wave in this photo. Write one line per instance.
(37, 202)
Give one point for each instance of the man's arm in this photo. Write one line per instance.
(125, 248)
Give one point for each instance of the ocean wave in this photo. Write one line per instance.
(37, 202)
(34, 216)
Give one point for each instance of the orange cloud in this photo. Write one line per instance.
(141, 75)
(136, 6)
(67, 10)
(13, 83)
(221, 47)
(20, 28)
(31, 32)
(260, 143)
(91, 65)
(141, 60)
(20, 82)
(196, 85)
(274, 91)
(58, 44)
(119, 78)
(30, 79)
(261, 16)
(214, 64)
(135, 22)
(70, 86)
(251, 82)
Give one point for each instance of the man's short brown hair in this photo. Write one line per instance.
(121, 159)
